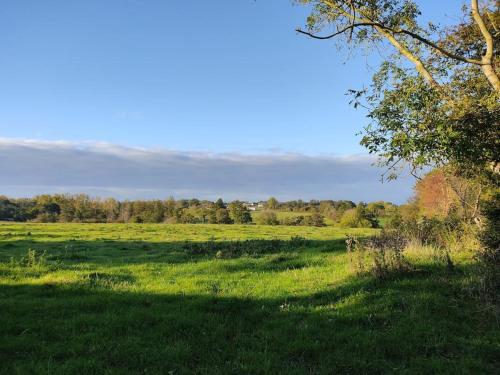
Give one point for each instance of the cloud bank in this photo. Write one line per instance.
(30, 167)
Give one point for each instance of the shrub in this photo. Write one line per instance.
(293, 220)
(317, 220)
(267, 218)
(352, 219)
(381, 255)
(349, 219)
(387, 252)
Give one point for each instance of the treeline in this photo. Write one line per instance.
(343, 213)
(84, 209)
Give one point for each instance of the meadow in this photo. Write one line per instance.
(213, 299)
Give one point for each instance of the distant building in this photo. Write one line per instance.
(251, 206)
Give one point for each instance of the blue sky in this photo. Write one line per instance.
(227, 76)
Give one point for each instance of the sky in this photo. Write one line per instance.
(195, 79)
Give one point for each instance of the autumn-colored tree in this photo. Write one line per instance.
(443, 190)
(434, 195)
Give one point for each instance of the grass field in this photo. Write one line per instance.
(117, 298)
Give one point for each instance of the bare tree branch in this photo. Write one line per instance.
(350, 27)
(427, 42)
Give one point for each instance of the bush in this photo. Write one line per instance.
(293, 220)
(316, 220)
(267, 218)
(387, 251)
(351, 219)
(382, 255)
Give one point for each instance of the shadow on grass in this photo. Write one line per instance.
(175, 252)
(412, 323)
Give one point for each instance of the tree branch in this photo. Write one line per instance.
(421, 39)
(350, 27)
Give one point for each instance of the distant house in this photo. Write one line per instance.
(251, 206)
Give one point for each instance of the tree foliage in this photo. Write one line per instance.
(435, 99)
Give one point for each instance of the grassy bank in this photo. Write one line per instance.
(118, 298)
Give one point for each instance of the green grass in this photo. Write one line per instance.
(118, 298)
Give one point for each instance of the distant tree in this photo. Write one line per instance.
(222, 216)
(25, 210)
(365, 215)
(125, 212)
(111, 208)
(350, 219)
(194, 202)
(239, 213)
(7, 208)
(47, 209)
(358, 217)
(170, 207)
(317, 220)
(153, 212)
(272, 204)
(212, 216)
(377, 208)
(219, 203)
(182, 203)
(187, 217)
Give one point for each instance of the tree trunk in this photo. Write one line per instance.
(491, 75)
(488, 57)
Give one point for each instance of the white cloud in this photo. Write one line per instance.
(30, 167)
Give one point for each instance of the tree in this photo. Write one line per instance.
(443, 190)
(7, 208)
(239, 213)
(47, 209)
(349, 219)
(272, 203)
(169, 208)
(219, 203)
(442, 108)
(222, 216)
(111, 207)
(358, 217)
(395, 21)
